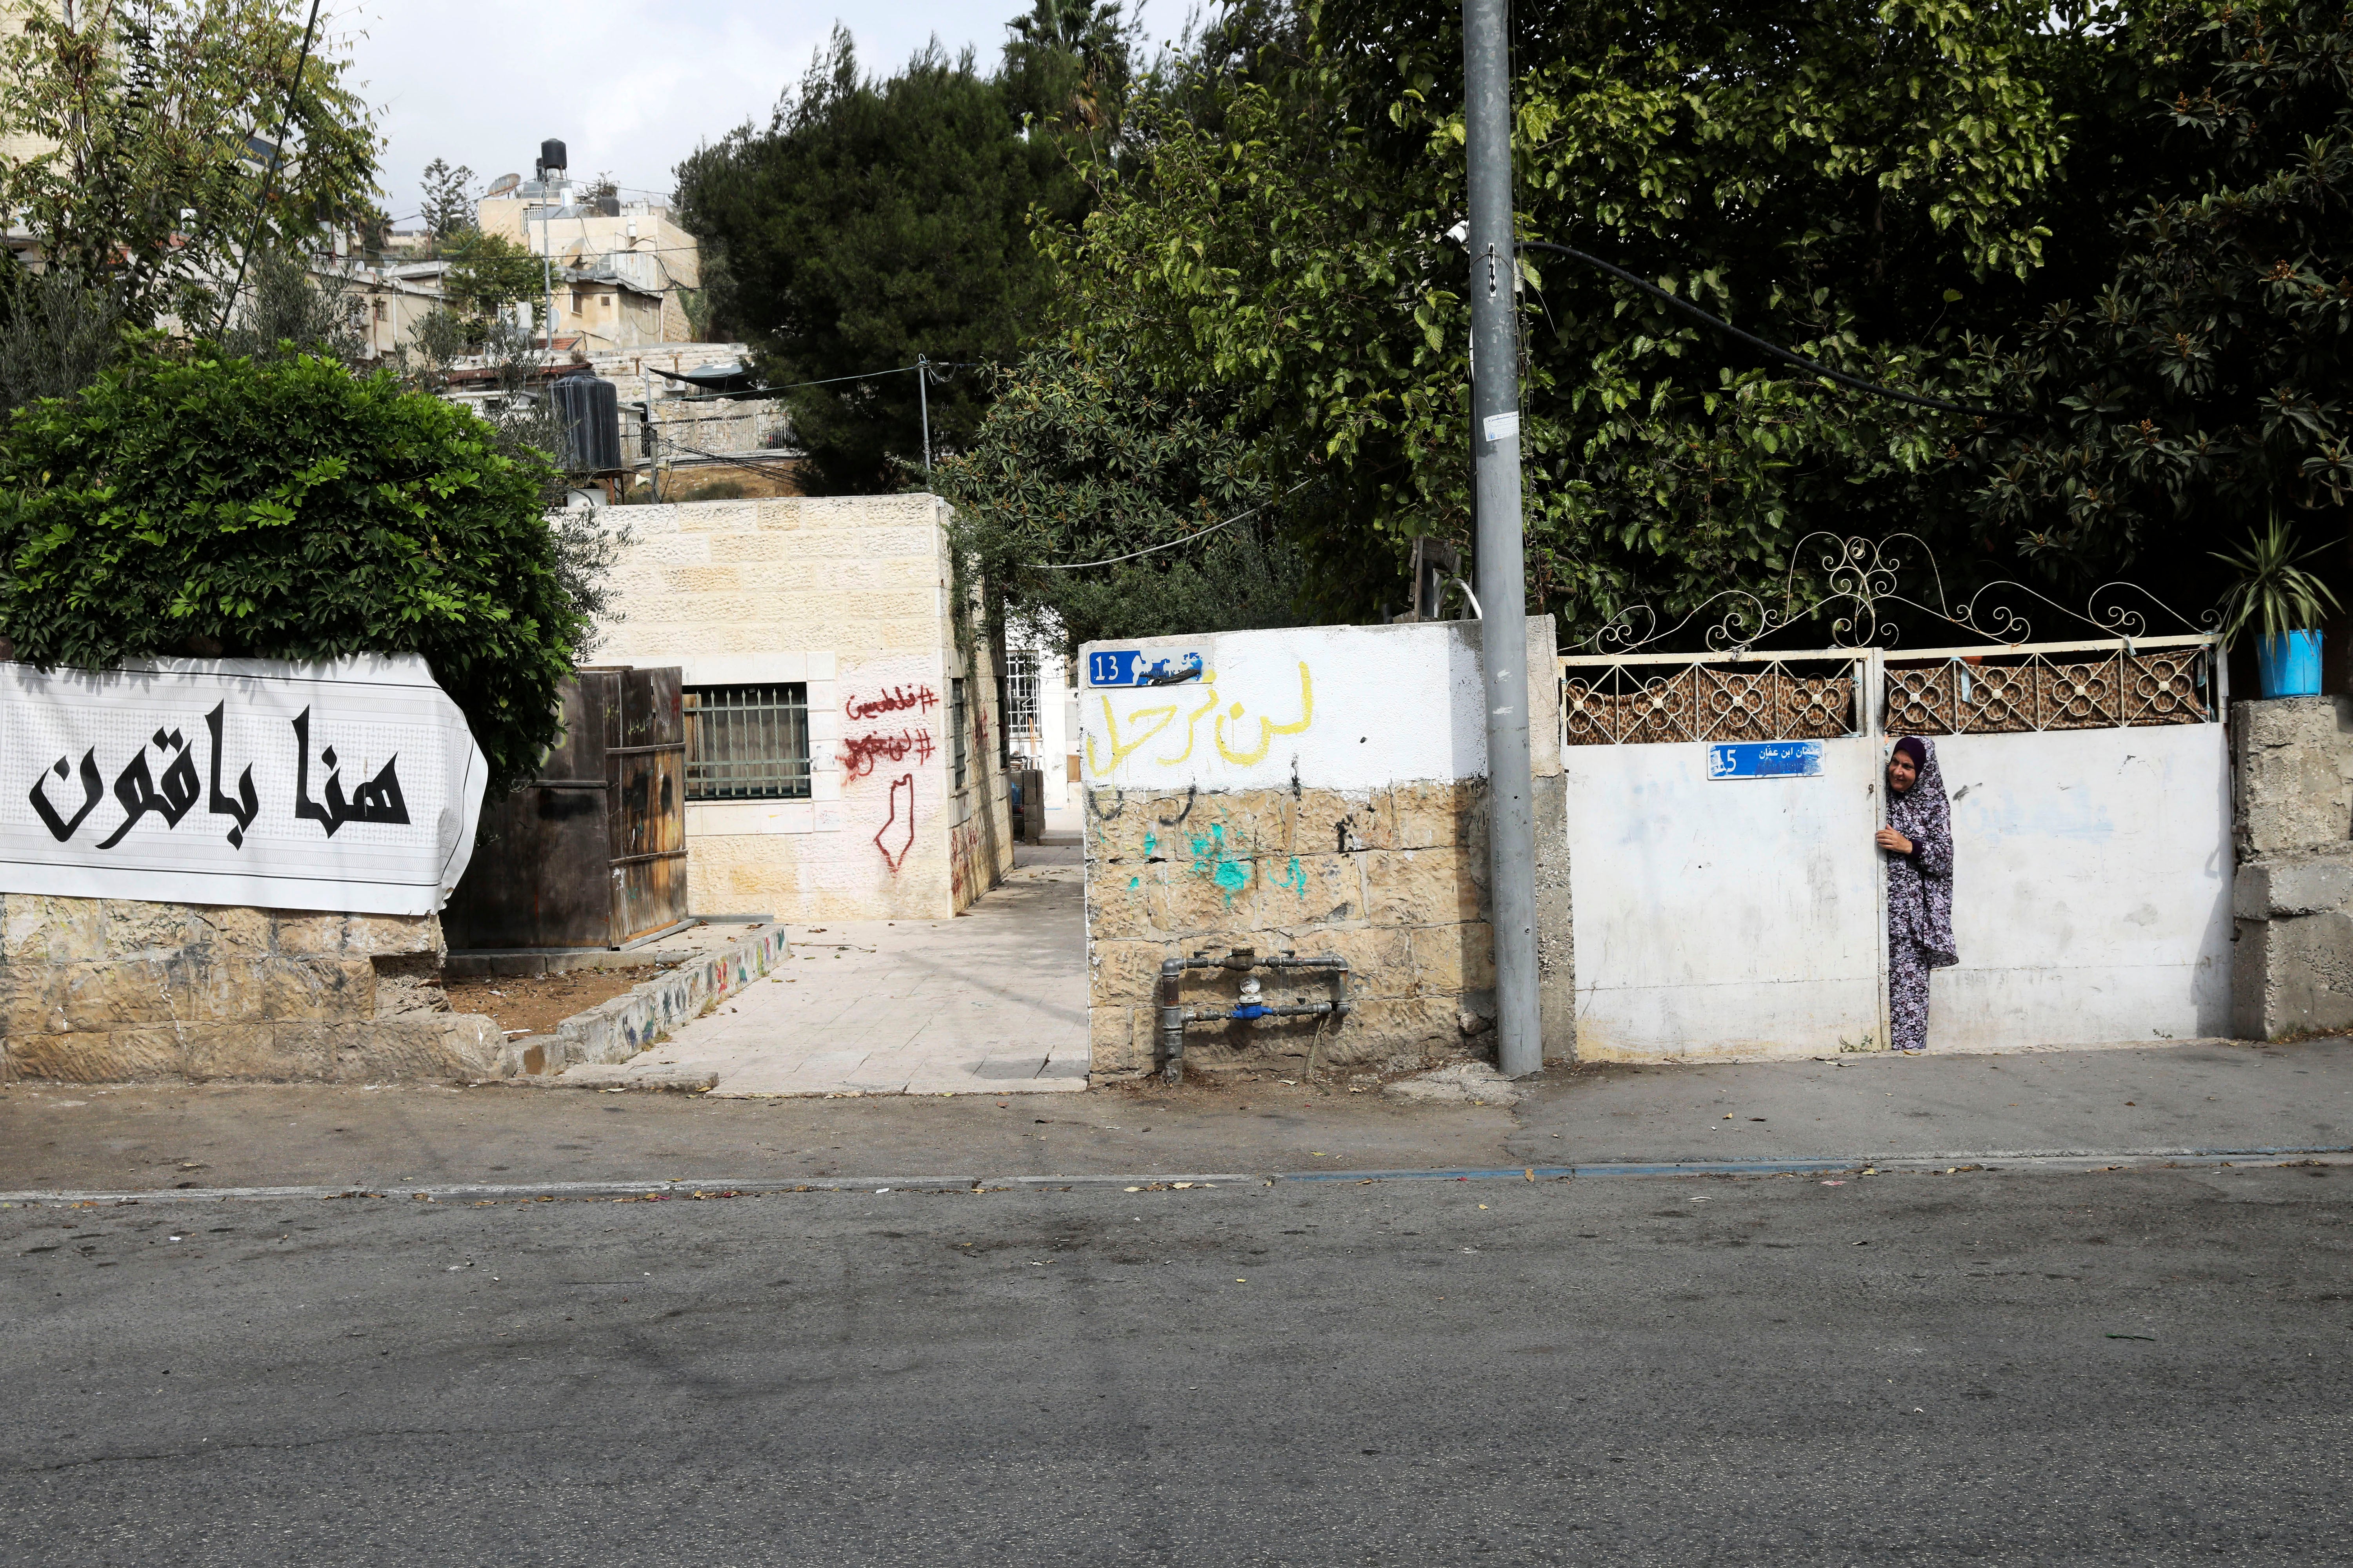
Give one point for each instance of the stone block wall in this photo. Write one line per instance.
(1392, 880)
(2292, 896)
(1390, 874)
(111, 990)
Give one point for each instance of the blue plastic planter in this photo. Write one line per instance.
(2289, 665)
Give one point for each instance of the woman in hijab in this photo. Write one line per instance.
(1918, 842)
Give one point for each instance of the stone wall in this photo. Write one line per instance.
(111, 990)
(1389, 874)
(1393, 879)
(2292, 898)
(851, 597)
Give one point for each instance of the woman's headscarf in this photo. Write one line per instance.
(1920, 885)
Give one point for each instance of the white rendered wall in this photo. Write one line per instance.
(2091, 887)
(1340, 708)
(1722, 917)
(1740, 917)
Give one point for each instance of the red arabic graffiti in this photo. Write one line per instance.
(859, 752)
(902, 819)
(896, 699)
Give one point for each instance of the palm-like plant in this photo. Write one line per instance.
(2273, 590)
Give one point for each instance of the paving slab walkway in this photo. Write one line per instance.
(991, 1001)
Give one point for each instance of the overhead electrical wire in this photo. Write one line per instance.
(276, 157)
(1753, 340)
(1201, 533)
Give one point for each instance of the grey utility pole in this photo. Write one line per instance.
(1502, 588)
(924, 396)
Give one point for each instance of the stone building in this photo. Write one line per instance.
(845, 758)
(633, 266)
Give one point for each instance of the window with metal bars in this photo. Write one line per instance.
(955, 735)
(1021, 697)
(747, 742)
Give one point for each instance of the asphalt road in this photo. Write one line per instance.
(2134, 1367)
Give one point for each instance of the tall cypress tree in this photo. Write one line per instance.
(874, 221)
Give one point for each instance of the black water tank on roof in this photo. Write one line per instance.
(550, 155)
(590, 408)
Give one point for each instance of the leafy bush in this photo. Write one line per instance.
(287, 511)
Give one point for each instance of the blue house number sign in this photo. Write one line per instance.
(1765, 759)
(1133, 667)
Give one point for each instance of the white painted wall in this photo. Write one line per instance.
(2091, 903)
(1729, 917)
(2091, 887)
(1344, 708)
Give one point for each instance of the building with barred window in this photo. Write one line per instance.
(844, 754)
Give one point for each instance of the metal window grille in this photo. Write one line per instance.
(955, 735)
(1021, 697)
(747, 742)
(1620, 702)
(2006, 691)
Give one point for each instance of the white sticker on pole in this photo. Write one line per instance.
(1503, 427)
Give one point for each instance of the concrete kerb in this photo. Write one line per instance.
(1893, 1164)
(614, 1031)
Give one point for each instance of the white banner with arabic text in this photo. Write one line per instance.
(352, 785)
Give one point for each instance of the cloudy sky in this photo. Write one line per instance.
(631, 89)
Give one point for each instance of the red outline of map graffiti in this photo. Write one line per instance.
(907, 781)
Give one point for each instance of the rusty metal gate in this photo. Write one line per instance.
(592, 854)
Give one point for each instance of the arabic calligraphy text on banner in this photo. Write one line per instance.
(352, 785)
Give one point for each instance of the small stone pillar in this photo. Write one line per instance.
(2292, 896)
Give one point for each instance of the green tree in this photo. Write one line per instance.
(449, 209)
(1857, 179)
(872, 222)
(287, 511)
(144, 151)
(57, 333)
(2198, 383)
(488, 273)
(1079, 463)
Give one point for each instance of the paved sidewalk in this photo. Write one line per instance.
(2130, 1105)
(2204, 1095)
(995, 1000)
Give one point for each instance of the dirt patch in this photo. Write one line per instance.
(535, 1004)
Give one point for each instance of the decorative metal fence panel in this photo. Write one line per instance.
(1620, 703)
(1998, 692)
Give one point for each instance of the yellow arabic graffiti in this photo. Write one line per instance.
(1155, 720)
(1192, 723)
(1268, 729)
(1121, 750)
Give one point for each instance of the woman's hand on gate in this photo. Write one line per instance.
(1889, 839)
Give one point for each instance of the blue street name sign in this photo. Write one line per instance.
(1133, 667)
(1765, 759)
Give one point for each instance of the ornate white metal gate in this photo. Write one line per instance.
(1728, 900)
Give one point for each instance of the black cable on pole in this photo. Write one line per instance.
(1753, 340)
(277, 156)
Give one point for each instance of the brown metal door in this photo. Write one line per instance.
(541, 862)
(647, 806)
